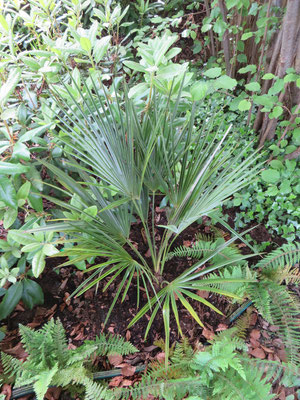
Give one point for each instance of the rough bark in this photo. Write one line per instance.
(225, 41)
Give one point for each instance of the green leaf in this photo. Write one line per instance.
(32, 247)
(253, 86)
(225, 82)
(29, 135)
(21, 152)
(9, 86)
(247, 35)
(244, 105)
(86, 44)
(268, 76)
(8, 193)
(285, 187)
(298, 82)
(270, 175)
(11, 299)
(4, 23)
(32, 294)
(101, 48)
(199, 90)
(277, 87)
(35, 200)
(11, 168)
(213, 72)
(277, 164)
(38, 263)
(276, 112)
(24, 191)
(21, 237)
(49, 249)
(135, 66)
(9, 217)
(250, 68)
(264, 100)
(296, 136)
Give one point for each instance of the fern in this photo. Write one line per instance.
(203, 248)
(94, 391)
(111, 344)
(288, 254)
(277, 305)
(50, 362)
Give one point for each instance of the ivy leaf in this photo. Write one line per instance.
(38, 263)
(225, 82)
(8, 193)
(213, 72)
(270, 175)
(253, 87)
(244, 105)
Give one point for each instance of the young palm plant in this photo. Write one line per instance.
(126, 155)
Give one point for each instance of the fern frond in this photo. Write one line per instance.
(242, 324)
(277, 306)
(171, 389)
(43, 381)
(60, 342)
(11, 366)
(111, 344)
(288, 254)
(94, 391)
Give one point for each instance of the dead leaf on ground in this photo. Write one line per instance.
(115, 382)
(255, 334)
(126, 383)
(17, 351)
(53, 393)
(160, 357)
(6, 390)
(258, 353)
(128, 370)
(115, 359)
(209, 335)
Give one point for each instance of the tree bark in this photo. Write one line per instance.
(225, 41)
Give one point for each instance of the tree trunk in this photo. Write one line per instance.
(225, 42)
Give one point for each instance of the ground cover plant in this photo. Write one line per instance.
(150, 166)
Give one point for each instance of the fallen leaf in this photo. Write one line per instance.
(258, 353)
(203, 293)
(128, 335)
(255, 334)
(115, 359)
(6, 390)
(129, 370)
(221, 327)
(17, 351)
(187, 243)
(150, 348)
(209, 335)
(148, 253)
(115, 381)
(53, 393)
(126, 382)
(160, 357)
(266, 349)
